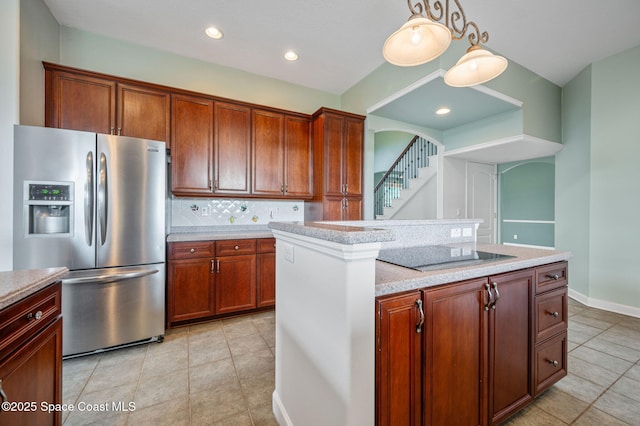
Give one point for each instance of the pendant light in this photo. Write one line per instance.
(477, 66)
(422, 38)
(418, 41)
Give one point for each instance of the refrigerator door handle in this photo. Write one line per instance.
(89, 200)
(108, 278)
(103, 198)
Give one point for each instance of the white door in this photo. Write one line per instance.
(481, 199)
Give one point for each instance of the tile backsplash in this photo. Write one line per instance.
(216, 212)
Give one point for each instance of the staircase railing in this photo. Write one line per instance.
(415, 156)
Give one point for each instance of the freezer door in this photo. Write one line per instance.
(65, 157)
(130, 201)
(110, 307)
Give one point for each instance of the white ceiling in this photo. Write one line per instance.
(340, 41)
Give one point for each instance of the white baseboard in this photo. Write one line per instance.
(279, 411)
(604, 304)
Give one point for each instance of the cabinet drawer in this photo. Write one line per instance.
(191, 249)
(550, 362)
(232, 247)
(551, 276)
(551, 313)
(266, 245)
(24, 319)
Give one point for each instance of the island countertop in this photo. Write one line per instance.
(16, 285)
(392, 279)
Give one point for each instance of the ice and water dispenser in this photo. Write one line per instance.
(48, 208)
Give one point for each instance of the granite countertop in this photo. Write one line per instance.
(209, 233)
(395, 279)
(335, 232)
(16, 285)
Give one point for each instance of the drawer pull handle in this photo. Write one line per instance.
(553, 277)
(236, 248)
(554, 314)
(488, 305)
(36, 316)
(553, 362)
(421, 320)
(2, 394)
(192, 250)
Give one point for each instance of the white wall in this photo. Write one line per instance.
(9, 110)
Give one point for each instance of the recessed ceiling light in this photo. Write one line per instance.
(290, 55)
(213, 32)
(443, 111)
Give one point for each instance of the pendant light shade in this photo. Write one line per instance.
(477, 66)
(418, 41)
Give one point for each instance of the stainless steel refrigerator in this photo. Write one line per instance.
(96, 204)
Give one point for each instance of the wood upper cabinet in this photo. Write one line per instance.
(82, 100)
(268, 152)
(232, 148)
(281, 147)
(79, 102)
(456, 354)
(399, 330)
(192, 151)
(338, 149)
(144, 113)
(511, 344)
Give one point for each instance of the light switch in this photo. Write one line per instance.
(288, 252)
(466, 232)
(456, 233)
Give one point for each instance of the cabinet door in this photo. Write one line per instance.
(268, 153)
(33, 373)
(266, 278)
(333, 153)
(333, 208)
(399, 359)
(190, 289)
(352, 209)
(192, 150)
(235, 283)
(232, 148)
(144, 113)
(456, 352)
(511, 344)
(80, 102)
(353, 155)
(298, 157)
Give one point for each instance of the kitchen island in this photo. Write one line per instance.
(339, 354)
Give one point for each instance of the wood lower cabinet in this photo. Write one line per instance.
(31, 358)
(399, 328)
(485, 350)
(342, 208)
(190, 281)
(208, 279)
(266, 272)
(456, 338)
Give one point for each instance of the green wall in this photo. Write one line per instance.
(527, 194)
(597, 175)
(388, 146)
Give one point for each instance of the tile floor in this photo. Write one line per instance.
(218, 373)
(222, 373)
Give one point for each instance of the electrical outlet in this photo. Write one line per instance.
(515, 236)
(288, 252)
(205, 211)
(456, 232)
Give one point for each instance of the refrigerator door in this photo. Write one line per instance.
(131, 180)
(103, 308)
(47, 156)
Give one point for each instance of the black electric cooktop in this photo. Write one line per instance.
(428, 258)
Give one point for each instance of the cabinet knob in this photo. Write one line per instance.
(553, 362)
(192, 250)
(554, 314)
(36, 316)
(236, 248)
(553, 276)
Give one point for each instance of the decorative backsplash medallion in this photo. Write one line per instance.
(215, 212)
